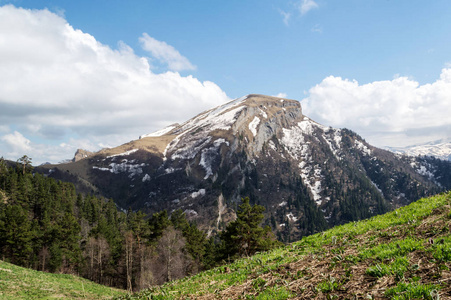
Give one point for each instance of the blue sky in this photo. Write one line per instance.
(244, 46)
(376, 67)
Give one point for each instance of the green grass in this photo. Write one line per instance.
(397, 268)
(21, 283)
(405, 254)
(393, 249)
(399, 255)
(327, 265)
(404, 291)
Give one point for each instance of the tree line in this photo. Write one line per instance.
(46, 225)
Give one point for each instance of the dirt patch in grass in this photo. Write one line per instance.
(330, 274)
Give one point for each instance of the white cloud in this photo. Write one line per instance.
(165, 53)
(58, 82)
(306, 5)
(281, 95)
(299, 7)
(317, 28)
(16, 143)
(395, 112)
(286, 17)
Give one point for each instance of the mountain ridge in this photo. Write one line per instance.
(439, 149)
(308, 176)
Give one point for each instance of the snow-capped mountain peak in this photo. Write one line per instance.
(439, 149)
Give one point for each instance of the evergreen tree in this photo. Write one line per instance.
(245, 236)
(157, 224)
(15, 235)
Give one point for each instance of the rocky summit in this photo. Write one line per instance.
(309, 177)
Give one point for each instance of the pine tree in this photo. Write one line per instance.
(16, 235)
(157, 224)
(245, 236)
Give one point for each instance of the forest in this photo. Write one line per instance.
(46, 225)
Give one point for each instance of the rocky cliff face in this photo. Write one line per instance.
(81, 154)
(308, 176)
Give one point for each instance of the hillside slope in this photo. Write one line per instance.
(309, 177)
(21, 283)
(404, 254)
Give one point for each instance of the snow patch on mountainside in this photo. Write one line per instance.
(191, 147)
(124, 166)
(425, 172)
(208, 156)
(199, 129)
(159, 132)
(291, 217)
(377, 187)
(253, 125)
(146, 178)
(360, 146)
(333, 139)
(283, 203)
(227, 106)
(425, 169)
(306, 126)
(200, 192)
(294, 142)
(123, 154)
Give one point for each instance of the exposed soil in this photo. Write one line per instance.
(303, 277)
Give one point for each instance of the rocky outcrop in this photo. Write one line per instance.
(81, 154)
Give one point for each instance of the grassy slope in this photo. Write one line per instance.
(405, 254)
(21, 283)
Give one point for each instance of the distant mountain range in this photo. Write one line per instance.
(309, 177)
(439, 149)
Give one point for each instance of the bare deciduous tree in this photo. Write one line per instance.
(103, 253)
(145, 274)
(129, 243)
(171, 260)
(43, 255)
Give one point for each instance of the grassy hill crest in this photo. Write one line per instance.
(22, 283)
(404, 254)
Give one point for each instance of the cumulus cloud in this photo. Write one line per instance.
(16, 143)
(306, 5)
(58, 83)
(165, 53)
(387, 113)
(281, 95)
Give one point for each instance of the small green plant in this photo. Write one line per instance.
(258, 283)
(441, 250)
(397, 268)
(377, 271)
(328, 285)
(275, 293)
(404, 291)
(393, 249)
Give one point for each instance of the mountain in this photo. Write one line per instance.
(404, 254)
(439, 149)
(309, 177)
